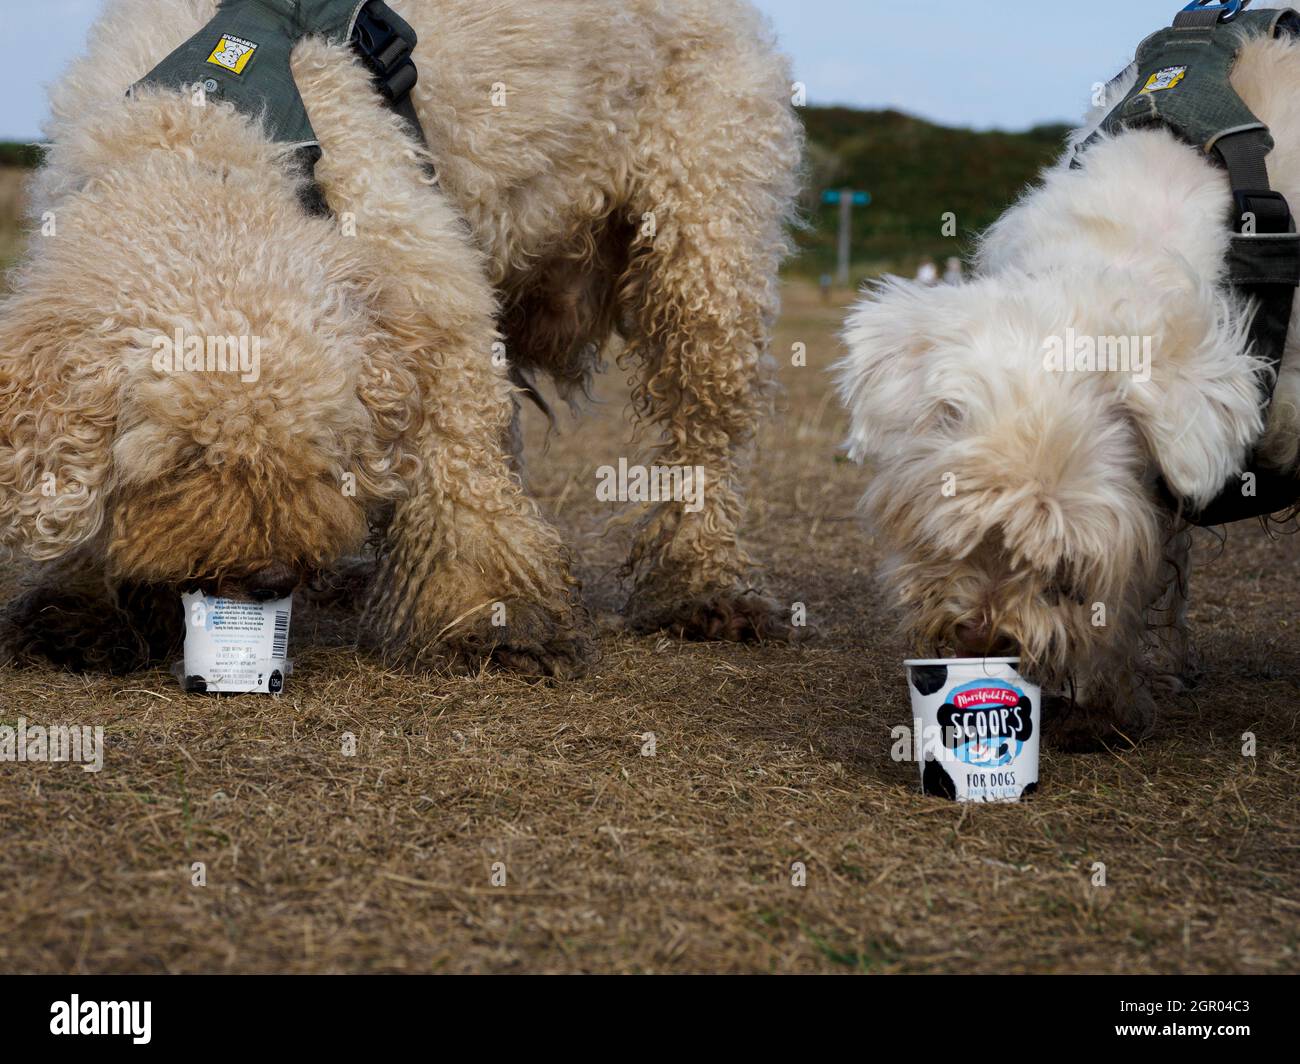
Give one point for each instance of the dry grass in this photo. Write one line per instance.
(678, 862)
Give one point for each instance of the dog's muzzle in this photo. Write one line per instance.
(979, 640)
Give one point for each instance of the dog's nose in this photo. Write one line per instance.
(274, 581)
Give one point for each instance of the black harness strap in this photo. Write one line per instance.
(1264, 253)
(385, 44)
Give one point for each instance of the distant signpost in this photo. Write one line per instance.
(847, 198)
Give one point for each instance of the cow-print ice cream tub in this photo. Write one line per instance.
(976, 724)
(235, 647)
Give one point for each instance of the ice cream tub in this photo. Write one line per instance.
(977, 724)
(234, 647)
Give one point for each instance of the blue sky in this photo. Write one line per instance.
(984, 63)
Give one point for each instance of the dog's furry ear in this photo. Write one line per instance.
(58, 412)
(894, 337)
(1202, 410)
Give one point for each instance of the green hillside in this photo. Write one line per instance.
(25, 156)
(916, 172)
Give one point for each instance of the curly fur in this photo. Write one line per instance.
(377, 340)
(1056, 508)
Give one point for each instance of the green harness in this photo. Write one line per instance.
(1183, 85)
(242, 56)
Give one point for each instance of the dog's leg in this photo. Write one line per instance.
(70, 615)
(1114, 709)
(1116, 705)
(1175, 665)
(700, 298)
(467, 569)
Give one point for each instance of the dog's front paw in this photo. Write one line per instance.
(528, 639)
(1087, 728)
(457, 621)
(1191, 670)
(71, 631)
(740, 616)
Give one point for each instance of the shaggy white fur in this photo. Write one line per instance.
(1017, 503)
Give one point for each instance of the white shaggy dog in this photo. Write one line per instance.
(1019, 507)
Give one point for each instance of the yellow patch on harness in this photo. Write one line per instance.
(1164, 79)
(233, 54)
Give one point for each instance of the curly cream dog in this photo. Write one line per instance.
(603, 168)
(1018, 506)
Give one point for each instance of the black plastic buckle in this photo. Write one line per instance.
(1269, 208)
(386, 53)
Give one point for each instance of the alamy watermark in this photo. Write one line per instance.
(1078, 353)
(79, 744)
(122, 1018)
(638, 483)
(180, 353)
